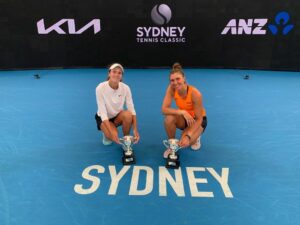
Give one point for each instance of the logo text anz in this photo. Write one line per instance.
(245, 26)
(70, 25)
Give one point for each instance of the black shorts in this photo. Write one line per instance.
(99, 121)
(203, 124)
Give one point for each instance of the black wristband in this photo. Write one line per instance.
(188, 136)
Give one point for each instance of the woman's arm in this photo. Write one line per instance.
(130, 107)
(102, 112)
(198, 105)
(135, 130)
(185, 140)
(166, 106)
(129, 101)
(103, 115)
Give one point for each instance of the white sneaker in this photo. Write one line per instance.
(197, 145)
(167, 153)
(105, 140)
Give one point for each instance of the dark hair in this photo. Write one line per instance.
(177, 68)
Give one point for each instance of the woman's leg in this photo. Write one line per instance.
(124, 118)
(109, 133)
(194, 132)
(172, 122)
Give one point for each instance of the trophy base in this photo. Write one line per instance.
(128, 159)
(173, 163)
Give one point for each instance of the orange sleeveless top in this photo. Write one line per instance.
(186, 103)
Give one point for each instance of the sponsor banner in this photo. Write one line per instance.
(209, 34)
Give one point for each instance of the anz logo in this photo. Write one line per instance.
(258, 26)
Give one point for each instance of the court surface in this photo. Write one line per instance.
(246, 173)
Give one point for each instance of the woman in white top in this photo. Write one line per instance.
(111, 97)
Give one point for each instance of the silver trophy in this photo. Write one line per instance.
(173, 159)
(128, 156)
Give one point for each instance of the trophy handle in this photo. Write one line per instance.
(166, 143)
(178, 149)
(121, 142)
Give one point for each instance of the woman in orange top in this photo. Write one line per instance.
(190, 116)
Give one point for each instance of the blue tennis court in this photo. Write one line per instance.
(54, 168)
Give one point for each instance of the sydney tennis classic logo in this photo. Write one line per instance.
(259, 26)
(161, 16)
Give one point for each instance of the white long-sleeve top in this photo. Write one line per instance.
(110, 101)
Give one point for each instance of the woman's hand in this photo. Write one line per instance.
(184, 141)
(136, 136)
(188, 118)
(115, 138)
